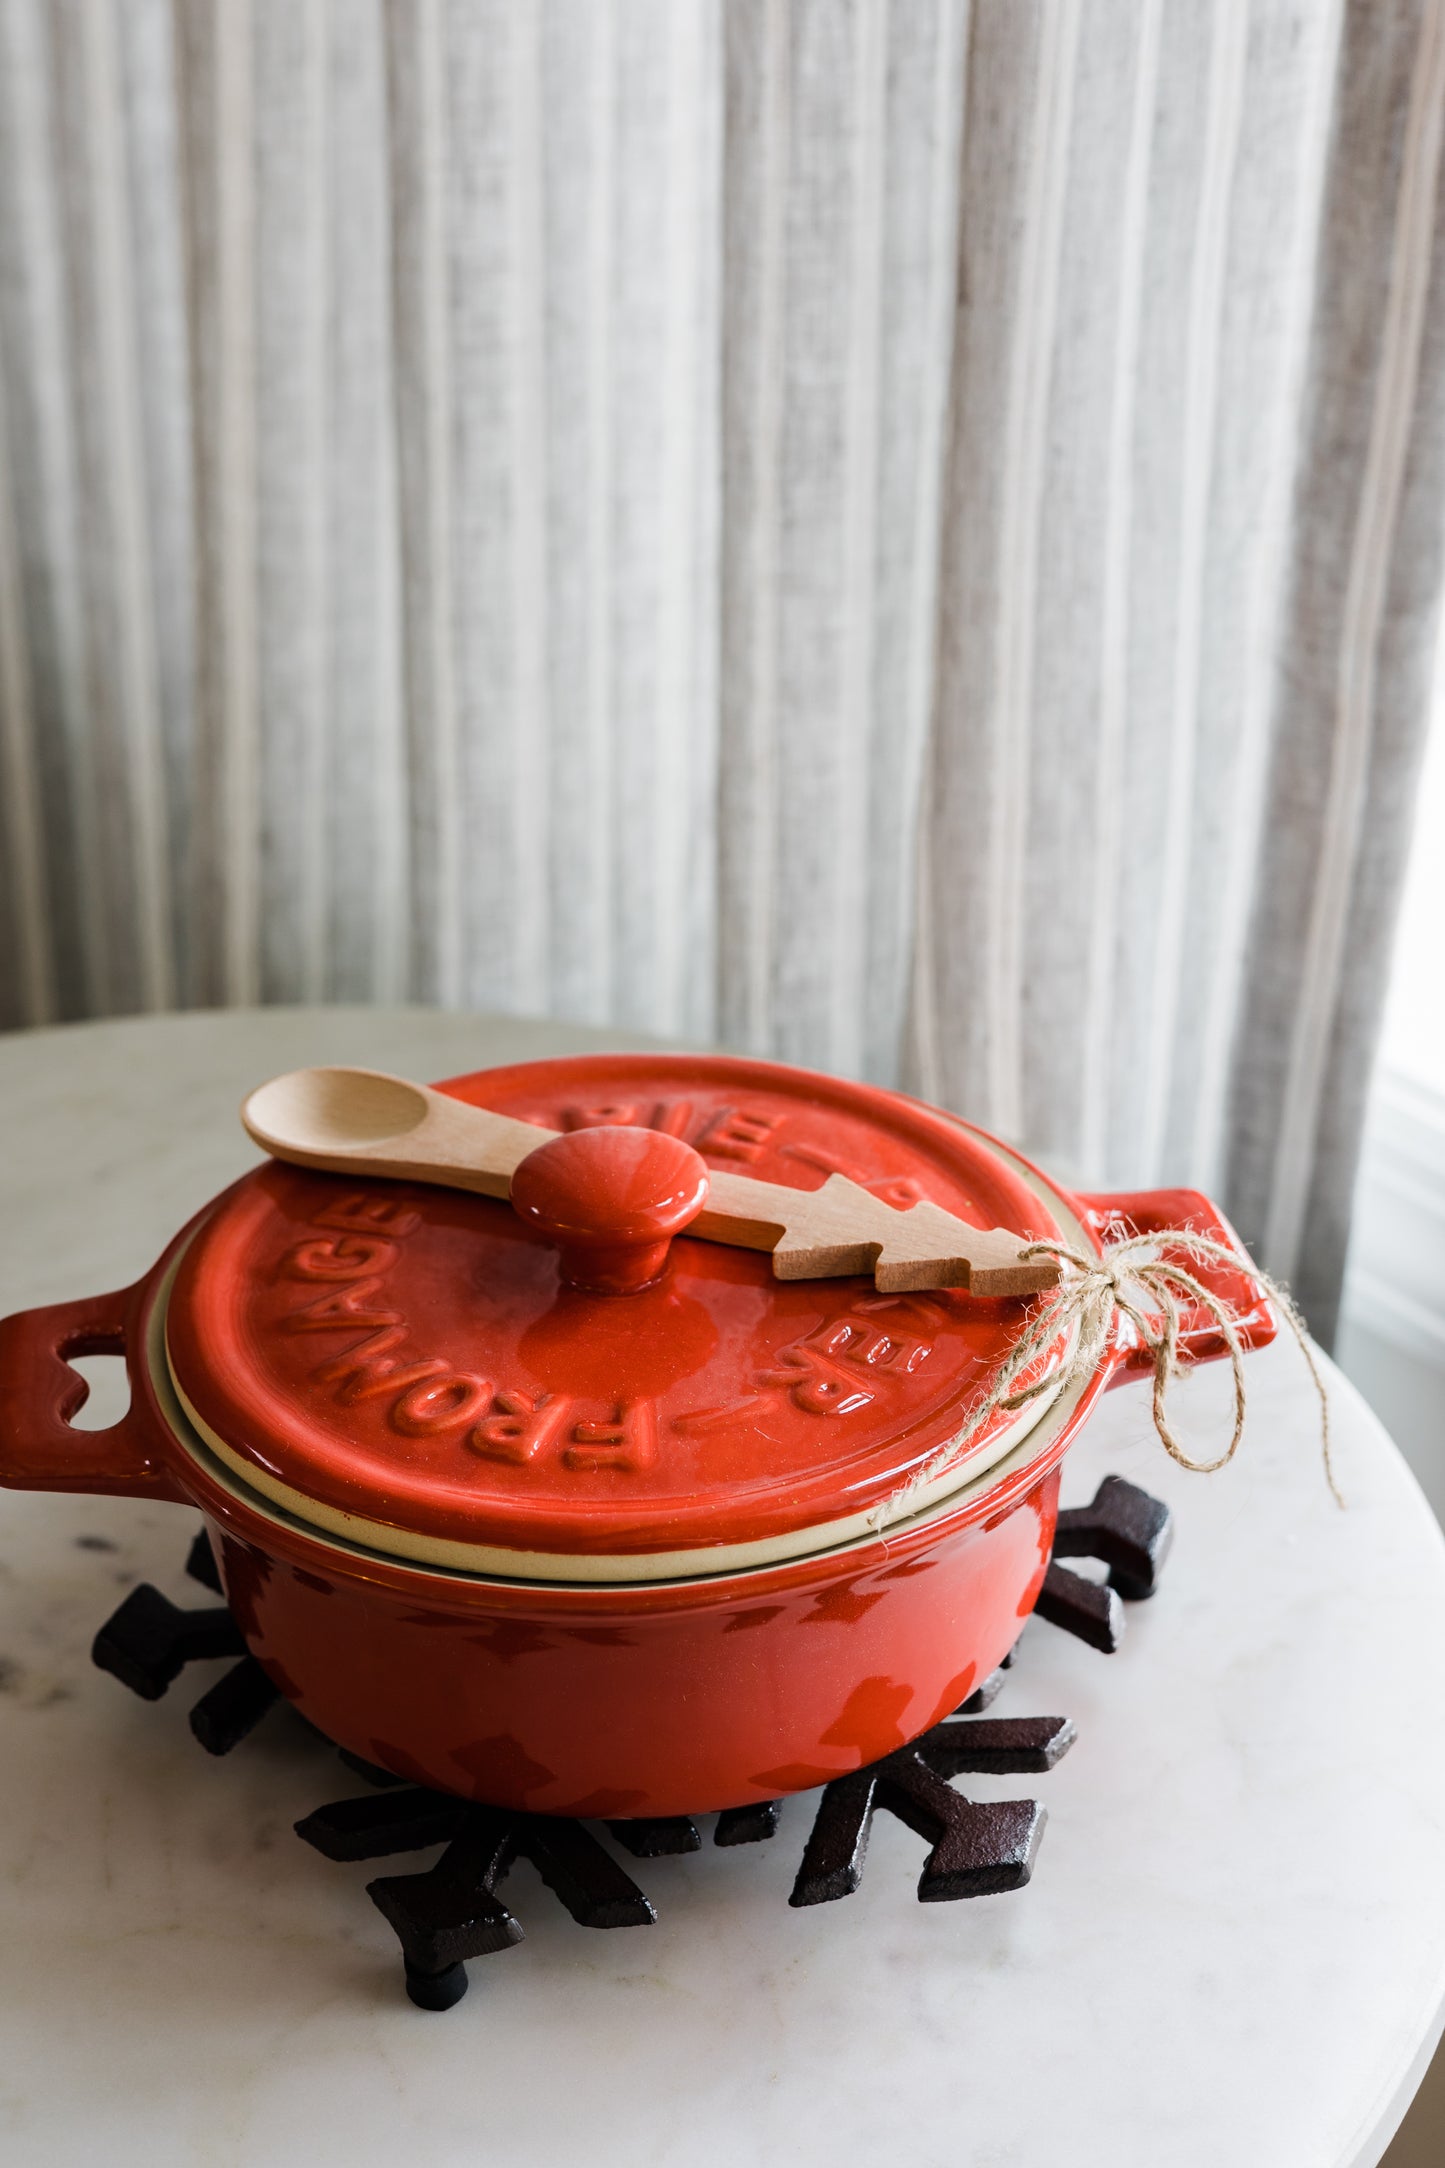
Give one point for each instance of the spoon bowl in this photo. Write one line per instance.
(341, 1119)
(334, 1110)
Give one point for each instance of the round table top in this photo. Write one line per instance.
(1233, 1947)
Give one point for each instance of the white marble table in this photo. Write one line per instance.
(1232, 1951)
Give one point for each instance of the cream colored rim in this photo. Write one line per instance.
(1023, 1439)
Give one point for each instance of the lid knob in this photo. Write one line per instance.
(611, 1199)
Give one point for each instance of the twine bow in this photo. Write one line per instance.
(1136, 1280)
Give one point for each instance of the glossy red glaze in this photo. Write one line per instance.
(410, 1355)
(620, 1701)
(611, 1199)
(604, 1700)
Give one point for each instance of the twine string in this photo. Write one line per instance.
(1133, 1280)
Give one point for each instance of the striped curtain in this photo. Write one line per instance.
(899, 535)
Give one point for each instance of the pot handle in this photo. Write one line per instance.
(39, 1393)
(1111, 1218)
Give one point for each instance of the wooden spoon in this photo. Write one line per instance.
(342, 1120)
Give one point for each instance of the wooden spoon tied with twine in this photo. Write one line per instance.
(345, 1120)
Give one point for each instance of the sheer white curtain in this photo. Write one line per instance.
(899, 535)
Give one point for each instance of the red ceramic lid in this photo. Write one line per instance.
(412, 1356)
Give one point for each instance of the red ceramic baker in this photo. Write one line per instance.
(551, 1503)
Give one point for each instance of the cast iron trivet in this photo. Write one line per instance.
(451, 1912)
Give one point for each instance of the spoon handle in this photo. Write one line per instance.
(841, 1228)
